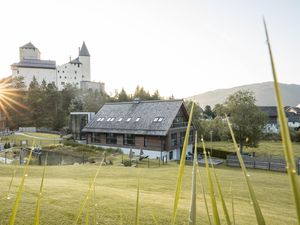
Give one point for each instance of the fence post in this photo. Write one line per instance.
(122, 157)
(158, 162)
(148, 163)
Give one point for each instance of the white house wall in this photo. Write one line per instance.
(49, 75)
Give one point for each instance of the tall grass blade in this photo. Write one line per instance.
(193, 207)
(87, 214)
(259, 216)
(94, 204)
(211, 189)
(37, 209)
(232, 205)
(11, 181)
(284, 130)
(226, 214)
(181, 167)
(16, 205)
(85, 200)
(204, 197)
(137, 204)
(121, 217)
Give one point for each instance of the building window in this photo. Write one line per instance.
(82, 76)
(146, 142)
(128, 119)
(65, 67)
(173, 139)
(110, 119)
(63, 71)
(96, 138)
(129, 139)
(78, 65)
(75, 72)
(100, 119)
(59, 77)
(138, 119)
(58, 71)
(120, 119)
(111, 139)
(75, 78)
(170, 155)
(62, 83)
(65, 77)
(158, 119)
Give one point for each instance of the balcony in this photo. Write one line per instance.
(181, 124)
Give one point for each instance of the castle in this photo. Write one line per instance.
(76, 72)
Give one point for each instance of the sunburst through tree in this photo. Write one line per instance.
(10, 94)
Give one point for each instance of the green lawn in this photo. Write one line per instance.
(42, 139)
(65, 187)
(264, 148)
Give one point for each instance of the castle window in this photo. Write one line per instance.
(65, 77)
(58, 71)
(75, 78)
(63, 71)
(59, 77)
(78, 65)
(75, 71)
(82, 76)
(65, 67)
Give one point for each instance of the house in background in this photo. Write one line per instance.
(272, 125)
(292, 116)
(156, 127)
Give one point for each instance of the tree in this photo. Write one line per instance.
(208, 112)
(246, 119)
(219, 110)
(122, 96)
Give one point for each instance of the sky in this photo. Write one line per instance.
(179, 47)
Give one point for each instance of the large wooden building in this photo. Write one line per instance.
(156, 127)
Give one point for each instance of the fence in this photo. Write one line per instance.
(273, 163)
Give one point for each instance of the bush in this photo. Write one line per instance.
(127, 163)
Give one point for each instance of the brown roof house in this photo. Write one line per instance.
(155, 127)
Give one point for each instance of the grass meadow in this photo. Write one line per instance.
(265, 147)
(116, 188)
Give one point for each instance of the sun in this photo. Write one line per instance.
(9, 96)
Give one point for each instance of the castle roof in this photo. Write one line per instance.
(84, 51)
(36, 63)
(28, 45)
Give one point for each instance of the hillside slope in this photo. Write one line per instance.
(264, 93)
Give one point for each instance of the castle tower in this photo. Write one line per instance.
(29, 51)
(84, 58)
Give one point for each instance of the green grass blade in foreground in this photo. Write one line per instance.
(211, 189)
(137, 204)
(181, 167)
(15, 208)
(232, 205)
(37, 209)
(259, 216)
(88, 193)
(11, 181)
(226, 214)
(204, 197)
(193, 207)
(285, 135)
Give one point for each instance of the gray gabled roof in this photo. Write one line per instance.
(28, 45)
(84, 51)
(145, 110)
(75, 61)
(36, 63)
